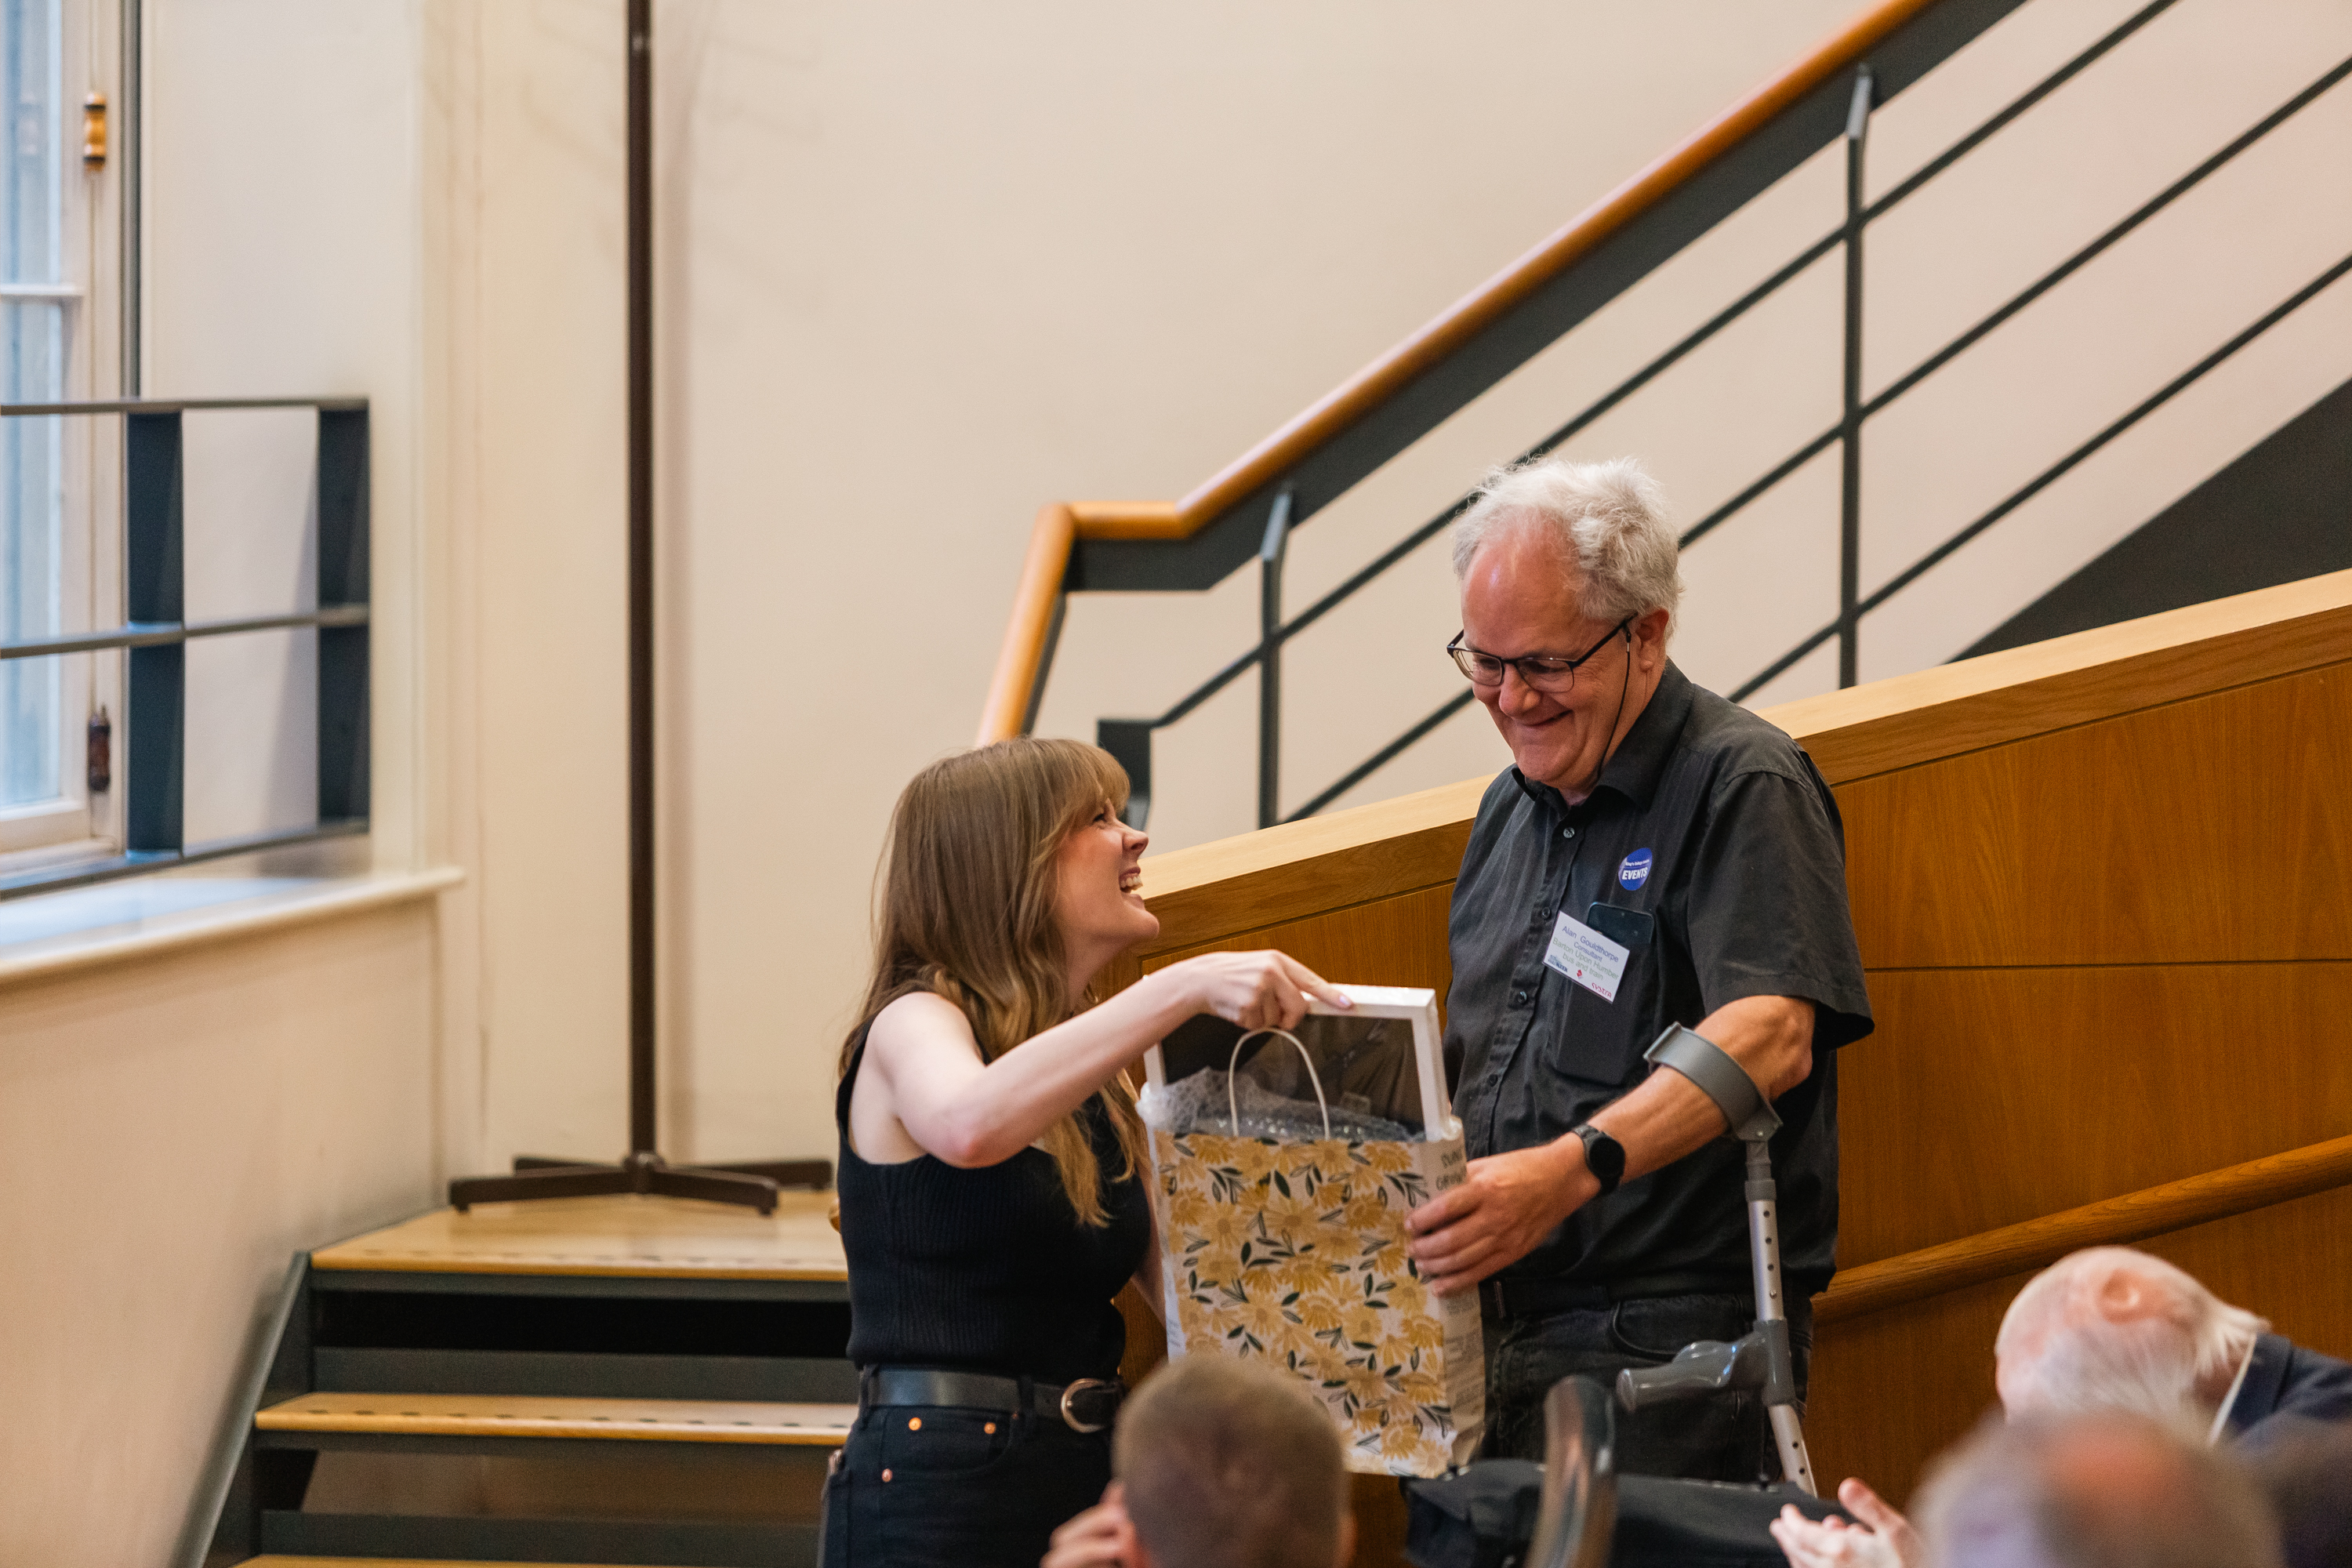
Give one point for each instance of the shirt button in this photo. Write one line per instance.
(1519, 997)
(1543, 911)
(1567, 833)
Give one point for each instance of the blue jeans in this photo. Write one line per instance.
(919, 1485)
(1725, 1439)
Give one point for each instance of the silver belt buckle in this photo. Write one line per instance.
(1070, 1416)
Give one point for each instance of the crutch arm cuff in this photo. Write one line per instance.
(1745, 1112)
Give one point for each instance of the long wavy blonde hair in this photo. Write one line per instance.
(966, 910)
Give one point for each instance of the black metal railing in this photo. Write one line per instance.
(1130, 740)
(156, 631)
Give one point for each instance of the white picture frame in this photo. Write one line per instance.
(1416, 1004)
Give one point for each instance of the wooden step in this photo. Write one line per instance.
(629, 1420)
(394, 1563)
(621, 1237)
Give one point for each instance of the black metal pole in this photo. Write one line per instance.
(752, 1183)
(641, 577)
(1269, 657)
(1857, 131)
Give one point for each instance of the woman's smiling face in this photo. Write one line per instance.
(1096, 902)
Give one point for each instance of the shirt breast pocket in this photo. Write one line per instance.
(1599, 1041)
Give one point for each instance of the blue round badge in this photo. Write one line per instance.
(1634, 869)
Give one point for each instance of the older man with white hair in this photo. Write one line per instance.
(2111, 1330)
(1656, 856)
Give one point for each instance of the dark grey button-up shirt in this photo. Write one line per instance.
(1716, 836)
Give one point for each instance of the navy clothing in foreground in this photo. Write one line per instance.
(1720, 854)
(2284, 1380)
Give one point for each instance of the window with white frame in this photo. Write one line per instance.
(55, 218)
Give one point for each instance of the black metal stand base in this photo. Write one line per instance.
(754, 1184)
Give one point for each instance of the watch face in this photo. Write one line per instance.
(1603, 1156)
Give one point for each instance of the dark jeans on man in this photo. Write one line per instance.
(1723, 1439)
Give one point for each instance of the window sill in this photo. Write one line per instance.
(122, 921)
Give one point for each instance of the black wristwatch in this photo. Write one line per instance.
(1604, 1156)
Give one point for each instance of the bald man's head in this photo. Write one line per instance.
(2112, 1329)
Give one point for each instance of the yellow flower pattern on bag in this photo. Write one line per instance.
(1295, 1254)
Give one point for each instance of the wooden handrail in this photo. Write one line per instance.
(2152, 1211)
(1024, 634)
(1049, 552)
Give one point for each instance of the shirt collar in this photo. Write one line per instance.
(1635, 768)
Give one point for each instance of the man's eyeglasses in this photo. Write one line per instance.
(1552, 677)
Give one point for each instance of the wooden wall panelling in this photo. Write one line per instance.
(2118, 1221)
(2219, 828)
(1391, 942)
(2100, 886)
(1211, 891)
(1952, 709)
(1991, 1096)
(1892, 1389)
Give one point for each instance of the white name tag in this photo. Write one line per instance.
(1587, 957)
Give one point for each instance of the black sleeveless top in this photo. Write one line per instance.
(987, 1269)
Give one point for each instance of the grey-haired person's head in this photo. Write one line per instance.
(2105, 1490)
(2110, 1328)
(1608, 520)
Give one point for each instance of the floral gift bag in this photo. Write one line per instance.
(1281, 1187)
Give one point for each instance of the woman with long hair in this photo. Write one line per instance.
(992, 1160)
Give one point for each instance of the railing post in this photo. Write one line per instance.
(1129, 742)
(157, 677)
(1270, 552)
(342, 580)
(1857, 131)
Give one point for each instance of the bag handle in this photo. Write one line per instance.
(1232, 1107)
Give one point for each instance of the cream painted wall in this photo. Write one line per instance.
(921, 277)
(1953, 448)
(919, 273)
(171, 1133)
(173, 1129)
(918, 278)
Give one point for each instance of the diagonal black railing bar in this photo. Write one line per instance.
(1779, 471)
(1382, 758)
(1910, 184)
(1419, 536)
(2082, 258)
(1242, 663)
(2023, 298)
(2051, 475)
(2017, 106)
(1714, 324)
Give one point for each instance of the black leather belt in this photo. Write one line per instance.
(1538, 1297)
(1089, 1405)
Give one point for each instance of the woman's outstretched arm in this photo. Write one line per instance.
(947, 1102)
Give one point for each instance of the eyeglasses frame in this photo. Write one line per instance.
(1455, 648)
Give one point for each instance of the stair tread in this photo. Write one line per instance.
(505, 1416)
(625, 1235)
(395, 1563)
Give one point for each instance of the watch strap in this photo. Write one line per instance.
(1603, 1156)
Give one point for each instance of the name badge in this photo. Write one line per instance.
(1587, 957)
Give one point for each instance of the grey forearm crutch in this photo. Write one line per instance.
(1760, 1360)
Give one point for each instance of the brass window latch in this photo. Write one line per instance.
(101, 753)
(93, 132)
